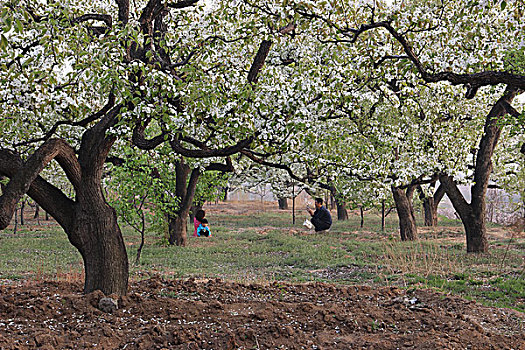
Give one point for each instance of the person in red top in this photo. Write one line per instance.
(197, 220)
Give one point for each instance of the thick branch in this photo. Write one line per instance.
(487, 145)
(83, 123)
(139, 138)
(93, 16)
(182, 4)
(258, 61)
(23, 174)
(225, 168)
(456, 197)
(207, 153)
(262, 53)
(123, 11)
(190, 190)
(148, 15)
(439, 194)
(472, 81)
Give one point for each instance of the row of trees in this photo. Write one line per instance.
(355, 98)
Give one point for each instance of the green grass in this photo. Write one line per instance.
(265, 247)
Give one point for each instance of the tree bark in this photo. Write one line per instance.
(102, 248)
(96, 233)
(473, 215)
(342, 213)
(405, 212)
(15, 226)
(178, 229)
(22, 207)
(283, 203)
(185, 192)
(430, 210)
(37, 211)
(383, 216)
(430, 205)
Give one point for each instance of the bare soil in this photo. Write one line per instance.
(215, 314)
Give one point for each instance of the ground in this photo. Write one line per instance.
(216, 314)
(365, 289)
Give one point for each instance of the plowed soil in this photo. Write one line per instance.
(214, 314)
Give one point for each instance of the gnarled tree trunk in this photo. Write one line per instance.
(89, 222)
(473, 214)
(102, 248)
(405, 212)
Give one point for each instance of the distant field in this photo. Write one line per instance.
(250, 244)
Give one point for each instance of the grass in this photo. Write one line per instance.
(263, 246)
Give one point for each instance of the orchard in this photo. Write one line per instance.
(120, 116)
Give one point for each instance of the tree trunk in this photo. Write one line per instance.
(333, 203)
(430, 210)
(283, 203)
(383, 216)
(142, 237)
(362, 212)
(340, 204)
(89, 222)
(185, 192)
(102, 248)
(225, 194)
(473, 214)
(95, 231)
(178, 230)
(342, 213)
(22, 207)
(405, 212)
(430, 204)
(15, 227)
(476, 242)
(37, 211)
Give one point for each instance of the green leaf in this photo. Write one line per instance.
(19, 26)
(3, 43)
(9, 24)
(503, 5)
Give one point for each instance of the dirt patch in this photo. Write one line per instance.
(214, 314)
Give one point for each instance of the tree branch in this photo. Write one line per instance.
(258, 61)
(22, 174)
(207, 153)
(83, 123)
(182, 4)
(471, 81)
(93, 16)
(139, 139)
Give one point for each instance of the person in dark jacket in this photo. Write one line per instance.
(321, 218)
